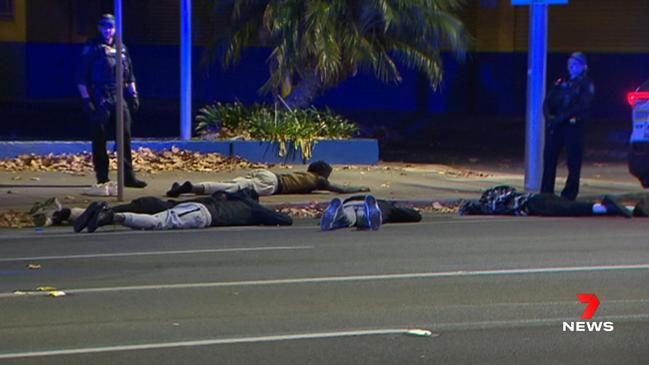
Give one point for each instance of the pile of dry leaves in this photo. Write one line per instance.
(13, 219)
(441, 208)
(311, 210)
(144, 160)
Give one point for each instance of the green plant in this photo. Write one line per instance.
(316, 44)
(300, 127)
(229, 120)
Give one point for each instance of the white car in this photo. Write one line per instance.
(639, 141)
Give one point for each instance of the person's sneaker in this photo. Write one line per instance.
(47, 207)
(85, 217)
(177, 189)
(330, 214)
(111, 188)
(133, 182)
(98, 190)
(613, 207)
(641, 209)
(103, 217)
(43, 213)
(373, 213)
(41, 220)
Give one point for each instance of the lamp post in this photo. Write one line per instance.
(119, 105)
(185, 69)
(536, 75)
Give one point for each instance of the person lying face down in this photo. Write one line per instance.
(365, 212)
(221, 209)
(265, 182)
(506, 200)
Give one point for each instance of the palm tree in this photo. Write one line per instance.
(318, 43)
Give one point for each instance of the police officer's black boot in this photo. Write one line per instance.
(132, 182)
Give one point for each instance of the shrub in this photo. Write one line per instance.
(301, 127)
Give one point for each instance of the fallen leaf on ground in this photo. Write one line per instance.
(145, 160)
(14, 219)
(45, 288)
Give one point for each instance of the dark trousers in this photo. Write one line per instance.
(144, 205)
(550, 205)
(558, 136)
(394, 214)
(103, 121)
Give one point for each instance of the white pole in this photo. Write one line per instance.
(185, 69)
(119, 105)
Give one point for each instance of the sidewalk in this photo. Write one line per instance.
(418, 184)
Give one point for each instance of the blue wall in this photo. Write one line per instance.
(38, 78)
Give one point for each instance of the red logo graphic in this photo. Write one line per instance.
(591, 308)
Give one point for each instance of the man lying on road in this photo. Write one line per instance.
(364, 212)
(506, 200)
(220, 209)
(265, 182)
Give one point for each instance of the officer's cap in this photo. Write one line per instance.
(579, 57)
(106, 20)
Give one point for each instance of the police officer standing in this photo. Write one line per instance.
(96, 83)
(566, 109)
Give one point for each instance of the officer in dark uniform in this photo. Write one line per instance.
(96, 83)
(566, 109)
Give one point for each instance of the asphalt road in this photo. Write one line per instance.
(491, 290)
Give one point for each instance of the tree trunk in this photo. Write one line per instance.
(305, 91)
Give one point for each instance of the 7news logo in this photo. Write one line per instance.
(592, 304)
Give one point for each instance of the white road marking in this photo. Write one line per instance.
(317, 335)
(207, 342)
(155, 253)
(334, 279)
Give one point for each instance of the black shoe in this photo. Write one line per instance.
(103, 217)
(81, 222)
(133, 182)
(641, 209)
(613, 207)
(177, 189)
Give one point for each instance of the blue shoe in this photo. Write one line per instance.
(373, 213)
(330, 214)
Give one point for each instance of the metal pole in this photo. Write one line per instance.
(119, 105)
(536, 78)
(185, 69)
